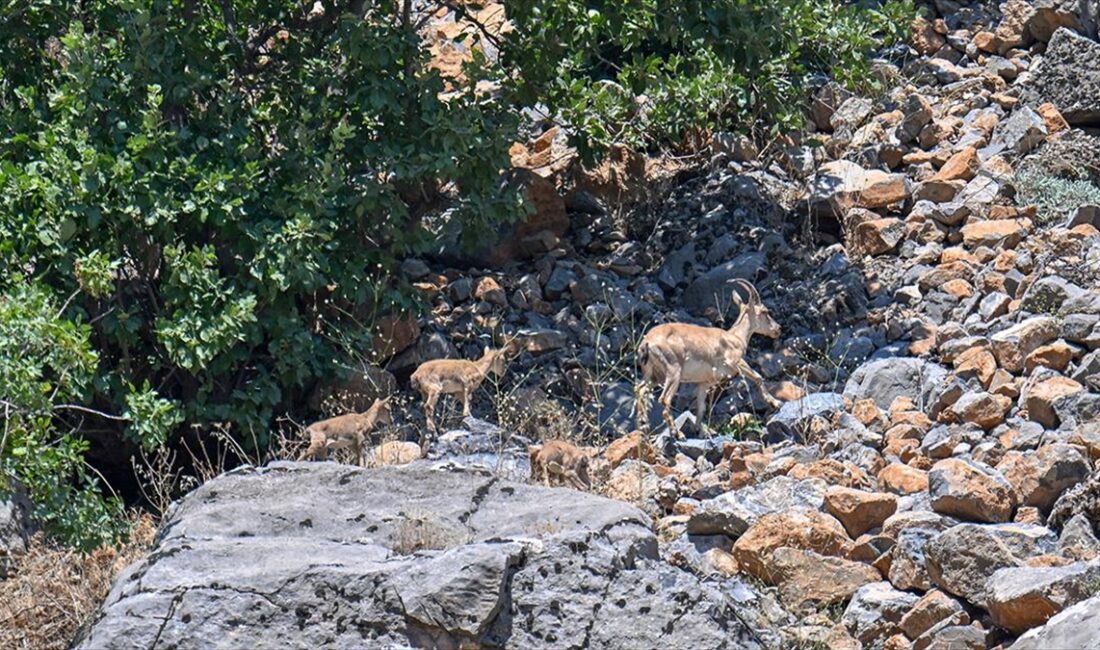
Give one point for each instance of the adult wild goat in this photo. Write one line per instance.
(676, 353)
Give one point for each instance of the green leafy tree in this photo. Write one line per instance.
(649, 73)
(207, 199)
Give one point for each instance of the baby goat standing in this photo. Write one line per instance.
(560, 460)
(676, 353)
(456, 377)
(349, 430)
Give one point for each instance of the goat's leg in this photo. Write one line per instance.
(464, 395)
(748, 373)
(429, 411)
(310, 453)
(701, 393)
(672, 385)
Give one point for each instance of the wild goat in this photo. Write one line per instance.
(676, 353)
(348, 430)
(457, 377)
(561, 460)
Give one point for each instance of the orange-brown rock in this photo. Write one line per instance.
(902, 479)
(976, 362)
(632, 446)
(963, 165)
(859, 511)
(1053, 119)
(994, 233)
(1056, 355)
(971, 491)
(1012, 345)
(832, 471)
(867, 412)
(1043, 395)
(799, 528)
(806, 578)
(983, 409)
(933, 607)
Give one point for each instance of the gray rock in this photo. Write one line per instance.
(733, 512)
(1081, 499)
(907, 565)
(15, 529)
(1021, 598)
(1078, 539)
(1068, 76)
(1049, 294)
(962, 558)
(794, 413)
(875, 611)
(1020, 133)
(1075, 628)
(884, 380)
(712, 289)
(324, 555)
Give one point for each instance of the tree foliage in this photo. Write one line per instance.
(222, 189)
(647, 73)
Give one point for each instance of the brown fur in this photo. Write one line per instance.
(458, 377)
(350, 430)
(561, 460)
(677, 353)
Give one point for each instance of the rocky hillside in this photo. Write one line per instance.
(933, 255)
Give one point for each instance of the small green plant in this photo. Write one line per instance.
(743, 426)
(1054, 198)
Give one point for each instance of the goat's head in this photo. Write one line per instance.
(498, 361)
(383, 411)
(760, 319)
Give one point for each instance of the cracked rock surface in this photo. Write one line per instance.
(324, 555)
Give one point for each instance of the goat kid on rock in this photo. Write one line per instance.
(459, 377)
(676, 353)
(350, 430)
(562, 461)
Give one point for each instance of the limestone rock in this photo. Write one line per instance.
(799, 528)
(324, 555)
(971, 491)
(1021, 598)
(857, 510)
(962, 558)
(732, 513)
(876, 610)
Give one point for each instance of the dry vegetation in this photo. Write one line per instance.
(55, 590)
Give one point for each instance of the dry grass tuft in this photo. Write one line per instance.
(55, 590)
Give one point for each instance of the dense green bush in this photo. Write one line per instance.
(648, 73)
(201, 202)
(206, 199)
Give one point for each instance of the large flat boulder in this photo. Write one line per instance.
(326, 555)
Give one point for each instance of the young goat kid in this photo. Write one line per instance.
(458, 377)
(676, 353)
(561, 460)
(349, 430)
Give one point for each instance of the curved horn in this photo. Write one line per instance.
(750, 290)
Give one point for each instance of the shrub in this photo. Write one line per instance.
(1054, 198)
(651, 74)
(207, 200)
